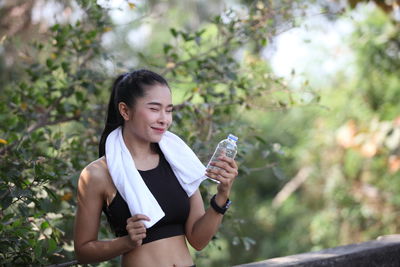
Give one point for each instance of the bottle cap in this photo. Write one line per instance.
(234, 138)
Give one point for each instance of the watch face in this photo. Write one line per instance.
(228, 203)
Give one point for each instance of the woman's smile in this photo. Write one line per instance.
(159, 130)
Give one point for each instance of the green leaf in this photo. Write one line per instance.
(51, 193)
(49, 63)
(52, 245)
(65, 66)
(264, 42)
(55, 27)
(44, 225)
(38, 250)
(167, 48)
(173, 32)
(79, 96)
(260, 139)
(6, 202)
(7, 217)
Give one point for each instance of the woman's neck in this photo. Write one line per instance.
(139, 149)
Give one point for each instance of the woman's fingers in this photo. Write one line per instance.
(215, 176)
(231, 162)
(225, 173)
(139, 217)
(136, 228)
(227, 168)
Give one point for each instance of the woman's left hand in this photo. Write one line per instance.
(225, 175)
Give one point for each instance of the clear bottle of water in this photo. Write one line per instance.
(226, 147)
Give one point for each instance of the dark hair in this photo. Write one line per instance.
(126, 88)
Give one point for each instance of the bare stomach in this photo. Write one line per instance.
(172, 251)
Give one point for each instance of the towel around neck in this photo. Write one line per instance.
(188, 169)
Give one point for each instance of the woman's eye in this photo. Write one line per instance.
(170, 111)
(154, 109)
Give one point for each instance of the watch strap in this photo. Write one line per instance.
(217, 208)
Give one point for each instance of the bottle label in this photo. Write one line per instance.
(230, 153)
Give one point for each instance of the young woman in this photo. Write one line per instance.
(141, 105)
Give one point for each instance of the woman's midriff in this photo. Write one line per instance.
(171, 251)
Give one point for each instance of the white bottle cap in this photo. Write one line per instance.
(234, 138)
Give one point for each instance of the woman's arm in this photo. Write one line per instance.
(202, 225)
(91, 190)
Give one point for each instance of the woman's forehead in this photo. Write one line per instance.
(157, 94)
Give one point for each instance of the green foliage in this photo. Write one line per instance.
(43, 113)
(381, 52)
(352, 147)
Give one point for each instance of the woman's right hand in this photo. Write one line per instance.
(136, 229)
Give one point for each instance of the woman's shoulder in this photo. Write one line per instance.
(95, 172)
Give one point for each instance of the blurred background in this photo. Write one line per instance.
(311, 88)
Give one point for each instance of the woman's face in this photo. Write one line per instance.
(151, 115)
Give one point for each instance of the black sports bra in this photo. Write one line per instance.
(169, 194)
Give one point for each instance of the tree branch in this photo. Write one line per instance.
(291, 186)
(40, 124)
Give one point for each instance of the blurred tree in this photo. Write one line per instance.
(343, 167)
(360, 173)
(387, 6)
(16, 17)
(44, 109)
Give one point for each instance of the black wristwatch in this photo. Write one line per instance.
(219, 209)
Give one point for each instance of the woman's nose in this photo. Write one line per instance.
(163, 118)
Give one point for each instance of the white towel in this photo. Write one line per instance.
(187, 167)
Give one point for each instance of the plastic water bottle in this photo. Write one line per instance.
(226, 147)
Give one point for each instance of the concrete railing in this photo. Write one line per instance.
(383, 252)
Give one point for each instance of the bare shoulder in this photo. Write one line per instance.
(95, 174)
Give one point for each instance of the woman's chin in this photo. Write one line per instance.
(156, 138)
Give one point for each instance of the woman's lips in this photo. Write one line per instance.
(158, 130)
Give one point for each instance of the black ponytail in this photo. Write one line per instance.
(113, 119)
(126, 88)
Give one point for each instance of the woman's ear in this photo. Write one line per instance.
(124, 110)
